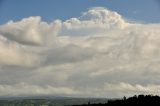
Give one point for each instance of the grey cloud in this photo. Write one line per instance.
(68, 54)
(14, 54)
(32, 90)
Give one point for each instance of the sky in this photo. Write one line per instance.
(79, 48)
(49, 10)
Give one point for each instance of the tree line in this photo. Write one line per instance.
(143, 100)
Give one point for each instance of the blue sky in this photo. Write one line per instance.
(49, 10)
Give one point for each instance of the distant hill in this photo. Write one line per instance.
(48, 101)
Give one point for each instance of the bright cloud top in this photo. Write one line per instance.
(98, 54)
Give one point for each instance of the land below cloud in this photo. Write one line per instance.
(72, 101)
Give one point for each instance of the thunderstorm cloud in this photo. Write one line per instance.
(99, 54)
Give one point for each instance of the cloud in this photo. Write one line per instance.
(23, 89)
(130, 90)
(29, 31)
(97, 20)
(97, 54)
(13, 54)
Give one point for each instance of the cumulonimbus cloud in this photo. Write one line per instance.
(95, 52)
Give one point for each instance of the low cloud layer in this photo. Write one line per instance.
(97, 54)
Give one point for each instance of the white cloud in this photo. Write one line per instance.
(96, 52)
(94, 22)
(29, 31)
